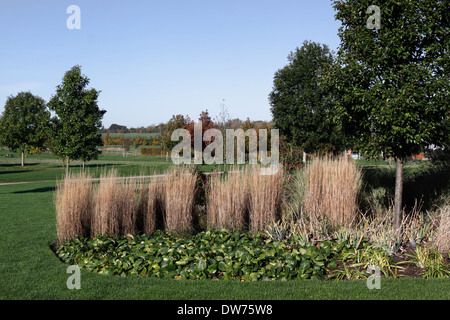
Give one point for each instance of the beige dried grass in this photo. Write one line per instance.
(442, 237)
(331, 189)
(106, 214)
(128, 204)
(227, 201)
(73, 201)
(265, 198)
(179, 196)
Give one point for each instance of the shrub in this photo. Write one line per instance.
(201, 183)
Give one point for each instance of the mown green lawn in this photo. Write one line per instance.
(46, 167)
(30, 270)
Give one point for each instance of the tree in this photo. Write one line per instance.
(176, 122)
(117, 128)
(206, 124)
(300, 105)
(76, 127)
(223, 119)
(107, 139)
(391, 82)
(23, 123)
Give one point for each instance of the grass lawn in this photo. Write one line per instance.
(46, 167)
(30, 270)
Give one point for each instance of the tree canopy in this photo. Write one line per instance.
(300, 106)
(76, 126)
(392, 83)
(176, 122)
(23, 123)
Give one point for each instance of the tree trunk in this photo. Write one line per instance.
(304, 157)
(398, 195)
(23, 156)
(67, 165)
(84, 162)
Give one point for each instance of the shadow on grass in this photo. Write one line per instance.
(429, 185)
(14, 171)
(35, 190)
(426, 183)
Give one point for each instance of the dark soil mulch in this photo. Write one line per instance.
(408, 269)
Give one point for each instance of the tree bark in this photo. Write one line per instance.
(398, 195)
(67, 165)
(23, 156)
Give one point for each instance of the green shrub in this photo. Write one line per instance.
(206, 255)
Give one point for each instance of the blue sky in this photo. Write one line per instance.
(153, 59)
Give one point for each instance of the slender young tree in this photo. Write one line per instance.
(76, 126)
(23, 123)
(391, 79)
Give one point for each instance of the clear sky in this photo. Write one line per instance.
(152, 59)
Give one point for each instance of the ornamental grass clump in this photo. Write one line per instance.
(128, 202)
(107, 211)
(265, 198)
(179, 195)
(73, 200)
(331, 189)
(227, 201)
(244, 199)
(117, 206)
(442, 237)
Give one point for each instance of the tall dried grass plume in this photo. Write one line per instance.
(73, 201)
(332, 185)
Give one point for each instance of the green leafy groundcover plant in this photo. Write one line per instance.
(206, 255)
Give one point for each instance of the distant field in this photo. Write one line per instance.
(133, 135)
